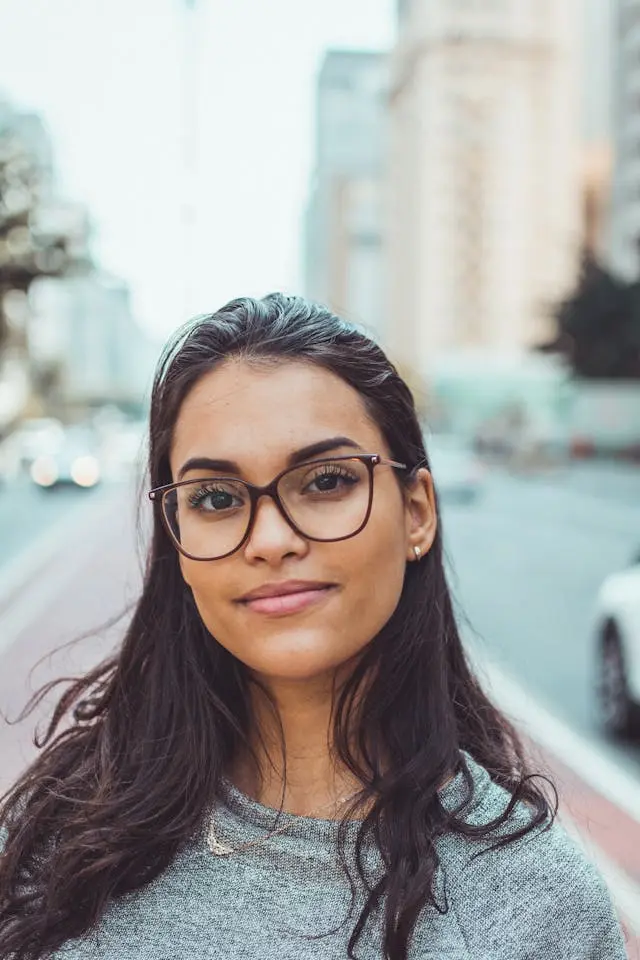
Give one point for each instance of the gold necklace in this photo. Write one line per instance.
(220, 849)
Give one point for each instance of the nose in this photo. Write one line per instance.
(272, 537)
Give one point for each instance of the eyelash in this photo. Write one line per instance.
(333, 470)
(328, 470)
(196, 498)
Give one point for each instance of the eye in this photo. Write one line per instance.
(214, 498)
(331, 478)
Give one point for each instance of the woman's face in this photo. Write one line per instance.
(258, 418)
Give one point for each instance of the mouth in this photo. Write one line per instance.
(287, 603)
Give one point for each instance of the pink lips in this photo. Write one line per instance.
(291, 602)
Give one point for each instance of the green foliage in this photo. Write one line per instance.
(599, 326)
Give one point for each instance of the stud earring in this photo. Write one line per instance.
(418, 552)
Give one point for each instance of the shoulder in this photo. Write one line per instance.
(535, 896)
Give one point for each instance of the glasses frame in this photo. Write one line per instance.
(371, 460)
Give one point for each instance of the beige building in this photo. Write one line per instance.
(484, 203)
(624, 228)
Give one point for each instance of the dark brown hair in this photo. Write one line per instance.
(120, 787)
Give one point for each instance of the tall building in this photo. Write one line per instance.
(84, 333)
(485, 206)
(624, 228)
(597, 122)
(344, 218)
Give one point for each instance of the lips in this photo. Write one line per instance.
(289, 597)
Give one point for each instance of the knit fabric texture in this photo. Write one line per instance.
(289, 898)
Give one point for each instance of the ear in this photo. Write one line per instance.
(421, 518)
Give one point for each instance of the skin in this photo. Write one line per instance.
(246, 414)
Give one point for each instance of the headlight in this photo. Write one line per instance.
(44, 471)
(85, 471)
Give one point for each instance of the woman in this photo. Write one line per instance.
(289, 756)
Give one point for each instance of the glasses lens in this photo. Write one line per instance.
(209, 517)
(327, 500)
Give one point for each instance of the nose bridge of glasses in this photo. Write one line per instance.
(271, 492)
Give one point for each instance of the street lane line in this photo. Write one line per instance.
(14, 573)
(573, 749)
(625, 893)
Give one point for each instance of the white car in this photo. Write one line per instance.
(618, 652)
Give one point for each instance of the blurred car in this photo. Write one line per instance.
(618, 652)
(74, 462)
(36, 437)
(457, 472)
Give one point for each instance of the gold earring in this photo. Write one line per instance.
(418, 552)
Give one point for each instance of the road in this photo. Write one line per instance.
(526, 564)
(27, 512)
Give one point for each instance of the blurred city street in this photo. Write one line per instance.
(459, 179)
(527, 562)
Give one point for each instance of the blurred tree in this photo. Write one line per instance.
(29, 246)
(599, 325)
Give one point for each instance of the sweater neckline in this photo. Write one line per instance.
(238, 806)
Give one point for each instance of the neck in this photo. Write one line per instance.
(315, 782)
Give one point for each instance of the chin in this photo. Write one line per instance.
(296, 659)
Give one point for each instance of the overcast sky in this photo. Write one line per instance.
(108, 77)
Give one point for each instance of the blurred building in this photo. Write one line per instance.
(30, 133)
(599, 26)
(597, 72)
(596, 197)
(86, 342)
(344, 219)
(485, 194)
(41, 235)
(624, 231)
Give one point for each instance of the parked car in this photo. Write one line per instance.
(457, 472)
(617, 635)
(74, 461)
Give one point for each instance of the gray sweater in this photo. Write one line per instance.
(536, 899)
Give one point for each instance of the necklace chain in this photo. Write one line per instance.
(220, 849)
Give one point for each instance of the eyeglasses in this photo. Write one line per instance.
(323, 500)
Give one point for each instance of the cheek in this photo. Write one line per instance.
(207, 586)
(377, 569)
(370, 569)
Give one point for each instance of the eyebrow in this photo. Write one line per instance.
(298, 456)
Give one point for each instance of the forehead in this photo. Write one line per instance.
(260, 414)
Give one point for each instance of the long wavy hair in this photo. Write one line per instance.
(120, 787)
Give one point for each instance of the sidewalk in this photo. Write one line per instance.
(599, 801)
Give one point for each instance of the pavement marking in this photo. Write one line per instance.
(18, 616)
(624, 891)
(14, 573)
(583, 756)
